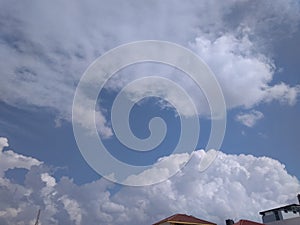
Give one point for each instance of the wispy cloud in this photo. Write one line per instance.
(249, 119)
(45, 48)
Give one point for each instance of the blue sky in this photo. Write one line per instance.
(252, 47)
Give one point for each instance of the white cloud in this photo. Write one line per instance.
(84, 117)
(3, 143)
(249, 119)
(43, 56)
(164, 167)
(72, 208)
(227, 189)
(50, 181)
(11, 160)
(283, 93)
(244, 75)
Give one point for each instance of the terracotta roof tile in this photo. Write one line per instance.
(181, 218)
(248, 222)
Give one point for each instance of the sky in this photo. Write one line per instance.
(252, 49)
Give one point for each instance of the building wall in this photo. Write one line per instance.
(292, 221)
(272, 216)
(288, 215)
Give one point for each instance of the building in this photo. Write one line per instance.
(285, 215)
(182, 219)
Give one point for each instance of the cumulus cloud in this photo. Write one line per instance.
(283, 93)
(73, 209)
(163, 168)
(85, 116)
(11, 160)
(3, 143)
(249, 119)
(227, 189)
(244, 74)
(42, 60)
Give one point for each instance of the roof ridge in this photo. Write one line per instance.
(183, 218)
(243, 221)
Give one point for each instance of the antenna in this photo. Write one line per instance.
(38, 217)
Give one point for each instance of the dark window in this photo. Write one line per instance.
(276, 215)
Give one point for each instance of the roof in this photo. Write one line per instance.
(182, 218)
(247, 222)
(291, 207)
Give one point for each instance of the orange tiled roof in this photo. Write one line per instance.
(182, 218)
(248, 222)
